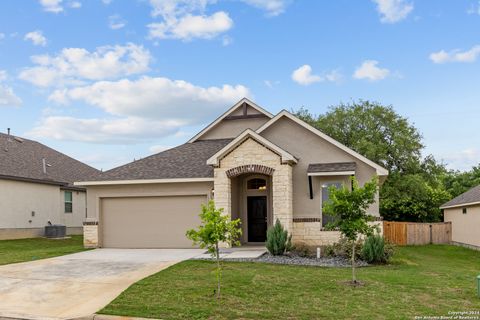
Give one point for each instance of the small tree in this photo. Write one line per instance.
(216, 228)
(278, 240)
(350, 209)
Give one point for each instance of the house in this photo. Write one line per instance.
(36, 187)
(258, 166)
(464, 214)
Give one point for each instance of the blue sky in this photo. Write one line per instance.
(110, 81)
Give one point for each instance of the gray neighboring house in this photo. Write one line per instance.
(258, 166)
(36, 186)
(464, 214)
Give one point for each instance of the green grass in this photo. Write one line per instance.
(12, 251)
(421, 281)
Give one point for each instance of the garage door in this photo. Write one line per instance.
(149, 222)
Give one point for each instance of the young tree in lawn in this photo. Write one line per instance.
(349, 207)
(216, 228)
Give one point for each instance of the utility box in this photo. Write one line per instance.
(55, 231)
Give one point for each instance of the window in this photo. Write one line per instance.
(464, 210)
(68, 202)
(257, 184)
(326, 219)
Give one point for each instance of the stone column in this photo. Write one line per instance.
(90, 234)
(222, 191)
(282, 193)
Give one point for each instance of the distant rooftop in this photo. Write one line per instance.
(24, 159)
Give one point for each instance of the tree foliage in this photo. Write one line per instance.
(349, 207)
(457, 182)
(216, 228)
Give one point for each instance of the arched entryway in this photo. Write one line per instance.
(251, 203)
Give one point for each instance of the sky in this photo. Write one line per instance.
(110, 81)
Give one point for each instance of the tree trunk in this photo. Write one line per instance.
(354, 277)
(217, 253)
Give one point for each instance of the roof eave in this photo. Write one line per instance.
(466, 204)
(140, 181)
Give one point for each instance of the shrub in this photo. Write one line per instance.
(278, 240)
(375, 250)
(343, 248)
(302, 250)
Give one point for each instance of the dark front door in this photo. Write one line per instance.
(257, 218)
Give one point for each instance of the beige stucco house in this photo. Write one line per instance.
(258, 166)
(36, 187)
(464, 214)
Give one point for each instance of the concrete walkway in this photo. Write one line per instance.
(244, 252)
(79, 284)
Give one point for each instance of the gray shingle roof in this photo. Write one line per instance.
(188, 160)
(22, 159)
(472, 195)
(331, 167)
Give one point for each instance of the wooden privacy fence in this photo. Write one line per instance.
(414, 233)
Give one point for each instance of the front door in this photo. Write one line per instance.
(257, 218)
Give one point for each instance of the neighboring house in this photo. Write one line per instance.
(464, 214)
(259, 167)
(36, 187)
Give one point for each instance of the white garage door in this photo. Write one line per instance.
(149, 222)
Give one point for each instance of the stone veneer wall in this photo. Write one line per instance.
(309, 232)
(251, 152)
(90, 234)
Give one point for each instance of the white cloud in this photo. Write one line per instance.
(116, 22)
(112, 131)
(226, 41)
(2, 36)
(186, 20)
(456, 55)
(158, 148)
(463, 159)
(155, 98)
(192, 26)
(36, 37)
(369, 70)
(107, 2)
(303, 75)
(392, 11)
(272, 7)
(52, 5)
(474, 8)
(72, 65)
(7, 96)
(75, 4)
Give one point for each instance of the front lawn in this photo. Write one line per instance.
(21, 250)
(421, 281)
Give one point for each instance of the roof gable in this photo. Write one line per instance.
(285, 156)
(379, 169)
(237, 111)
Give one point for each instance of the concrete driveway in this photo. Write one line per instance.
(79, 284)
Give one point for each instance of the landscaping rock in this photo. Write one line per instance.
(301, 261)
